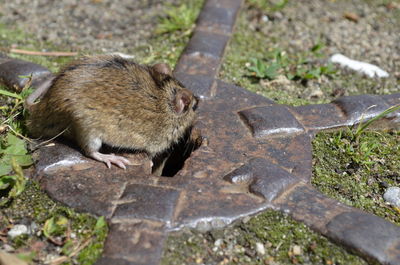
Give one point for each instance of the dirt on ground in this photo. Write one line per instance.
(90, 25)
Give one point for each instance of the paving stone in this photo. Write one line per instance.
(127, 243)
(368, 234)
(362, 107)
(270, 121)
(147, 202)
(12, 69)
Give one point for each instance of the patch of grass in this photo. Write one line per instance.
(171, 35)
(298, 67)
(268, 5)
(271, 70)
(13, 156)
(276, 232)
(295, 71)
(178, 18)
(74, 238)
(357, 169)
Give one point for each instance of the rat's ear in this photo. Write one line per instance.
(162, 68)
(182, 100)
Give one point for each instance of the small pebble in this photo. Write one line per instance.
(8, 248)
(296, 250)
(18, 230)
(392, 196)
(218, 242)
(260, 248)
(246, 219)
(265, 18)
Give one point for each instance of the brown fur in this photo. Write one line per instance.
(116, 101)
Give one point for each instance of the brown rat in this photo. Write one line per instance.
(110, 100)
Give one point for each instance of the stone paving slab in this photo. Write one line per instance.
(254, 154)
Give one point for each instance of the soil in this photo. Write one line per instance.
(91, 25)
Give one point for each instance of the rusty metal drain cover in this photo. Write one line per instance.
(255, 154)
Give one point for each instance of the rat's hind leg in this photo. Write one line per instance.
(91, 145)
(109, 159)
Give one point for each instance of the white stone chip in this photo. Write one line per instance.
(260, 248)
(392, 196)
(18, 230)
(365, 68)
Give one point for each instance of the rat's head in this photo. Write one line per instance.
(181, 101)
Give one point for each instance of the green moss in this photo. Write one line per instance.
(237, 245)
(167, 45)
(358, 172)
(37, 207)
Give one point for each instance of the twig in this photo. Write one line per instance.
(18, 134)
(49, 140)
(43, 53)
(73, 253)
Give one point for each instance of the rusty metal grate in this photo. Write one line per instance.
(254, 154)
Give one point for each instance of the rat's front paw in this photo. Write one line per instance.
(109, 159)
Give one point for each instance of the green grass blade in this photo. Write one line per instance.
(9, 94)
(361, 128)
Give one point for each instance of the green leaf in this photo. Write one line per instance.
(272, 71)
(100, 224)
(55, 226)
(20, 180)
(68, 247)
(13, 148)
(6, 181)
(9, 94)
(4, 168)
(49, 227)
